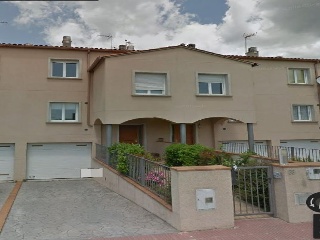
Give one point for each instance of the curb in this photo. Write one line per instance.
(5, 210)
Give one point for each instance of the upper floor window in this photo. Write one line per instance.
(64, 68)
(63, 112)
(150, 83)
(212, 84)
(303, 112)
(299, 76)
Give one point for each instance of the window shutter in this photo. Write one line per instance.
(150, 81)
(212, 78)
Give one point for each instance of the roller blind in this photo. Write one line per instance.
(150, 81)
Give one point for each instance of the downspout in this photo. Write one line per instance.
(318, 85)
(89, 91)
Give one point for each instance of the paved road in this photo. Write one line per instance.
(76, 210)
(245, 229)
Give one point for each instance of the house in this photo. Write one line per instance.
(58, 102)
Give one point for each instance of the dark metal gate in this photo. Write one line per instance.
(252, 190)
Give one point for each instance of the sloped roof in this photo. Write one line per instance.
(233, 58)
(32, 46)
(279, 58)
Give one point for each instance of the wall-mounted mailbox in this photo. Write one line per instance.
(313, 173)
(205, 199)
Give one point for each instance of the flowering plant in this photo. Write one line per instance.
(157, 177)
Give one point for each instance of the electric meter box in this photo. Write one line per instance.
(205, 199)
(313, 173)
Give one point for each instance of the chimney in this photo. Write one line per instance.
(66, 42)
(252, 52)
(191, 45)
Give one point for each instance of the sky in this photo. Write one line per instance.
(288, 28)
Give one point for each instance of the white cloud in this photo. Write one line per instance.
(286, 27)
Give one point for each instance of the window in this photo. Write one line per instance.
(212, 84)
(64, 69)
(302, 113)
(64, 112)
(299, 76)
(150, 83)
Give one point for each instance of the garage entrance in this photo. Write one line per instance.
(6, 161)
(57, 160)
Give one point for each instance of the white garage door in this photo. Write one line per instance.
(310, 144)
(57, 160)
(306, 150)
(6, 161)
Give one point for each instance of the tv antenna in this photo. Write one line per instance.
(108, 37)
(245, 35)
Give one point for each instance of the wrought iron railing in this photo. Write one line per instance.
(149, 174)
(252, 190)
(293, 153)
(154, 176)
(101, 153)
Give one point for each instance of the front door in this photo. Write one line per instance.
(189, 133)
(130, 134)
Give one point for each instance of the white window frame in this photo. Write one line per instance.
(306, 76)
(149, 92)
(64, 62)
(77, 118)
(225, 84)
(310, 113)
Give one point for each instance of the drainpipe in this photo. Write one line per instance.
(89, 91)
(317, 75)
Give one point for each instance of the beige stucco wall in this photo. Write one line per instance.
(184, 216)
(185, 182)
(293, 180)
(259, 95)
(273, 99)
(182, 105)
(25, 92)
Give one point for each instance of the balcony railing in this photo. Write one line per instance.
(294, 153)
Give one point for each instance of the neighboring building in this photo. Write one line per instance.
(57, 102)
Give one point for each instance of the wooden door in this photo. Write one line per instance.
(129, 134)
(189, 133)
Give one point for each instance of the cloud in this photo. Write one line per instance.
(286, 27)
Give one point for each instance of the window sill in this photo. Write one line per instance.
(64, 122)
(204, 95)
(304, 121)
(63, 78)
(146, 95)
(300, 84)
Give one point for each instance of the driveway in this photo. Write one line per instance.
(76, 210)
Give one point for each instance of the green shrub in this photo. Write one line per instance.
(207, 157)
(179, 154)
(120, 151)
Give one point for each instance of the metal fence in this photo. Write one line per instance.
(154, 176)
(149, 174)
(252, 190)
(294, 153)
(101, 153)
